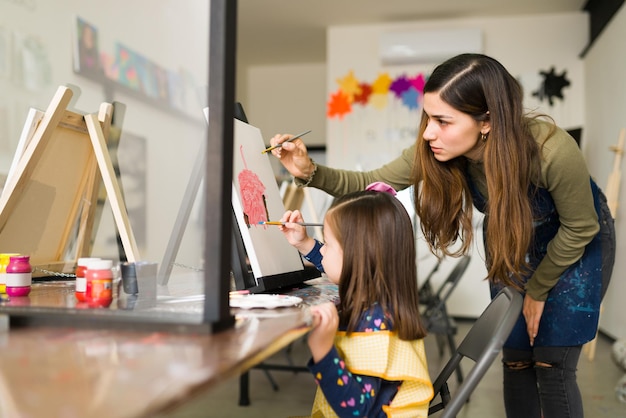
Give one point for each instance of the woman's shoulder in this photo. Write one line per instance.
(548, 135)
(375, 319)
(559, 150)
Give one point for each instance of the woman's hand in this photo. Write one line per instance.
(293, 156)
(296, 234)
(325, 324)
(532, 310)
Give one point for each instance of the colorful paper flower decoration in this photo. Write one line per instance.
(400, 85)
(410, 98)
(352, 91)
(349, 85)
(381, 84)
(339, 105)
(364, 95)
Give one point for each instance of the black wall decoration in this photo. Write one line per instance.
(551, 86)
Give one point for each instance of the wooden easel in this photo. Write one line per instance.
(47, 205)
(612, 198)
(612, 187)
(294, 197)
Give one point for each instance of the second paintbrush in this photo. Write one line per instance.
(283, 223)
(266, 150)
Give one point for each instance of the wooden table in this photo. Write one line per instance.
(77, 372)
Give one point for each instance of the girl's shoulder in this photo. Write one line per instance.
(375, 319)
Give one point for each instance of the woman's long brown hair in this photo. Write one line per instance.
(482, 88)
(376, 235)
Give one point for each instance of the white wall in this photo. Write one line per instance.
(605, 115)
(283, 99)
(368, 137)
(172, 36)
(288, 99)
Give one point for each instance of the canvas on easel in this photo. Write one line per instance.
(50, 190)
(262, 259)
(256, 198)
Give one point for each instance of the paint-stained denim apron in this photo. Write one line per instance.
(571, 312)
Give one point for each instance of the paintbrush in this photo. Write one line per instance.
(288, 140)
(283, 223)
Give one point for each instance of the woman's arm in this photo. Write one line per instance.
(565, 176)
(294, 157)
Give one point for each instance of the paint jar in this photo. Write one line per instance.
(129, 278)
(99, 290)
(4, 262)
(19, 275)
(81, 280)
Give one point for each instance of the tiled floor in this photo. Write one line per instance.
(597, 380)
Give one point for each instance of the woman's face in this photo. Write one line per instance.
(451, 133)
(332, 255)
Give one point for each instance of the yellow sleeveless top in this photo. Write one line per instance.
(382, 354)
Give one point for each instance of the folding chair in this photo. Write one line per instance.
(435, 313)
(482, 344)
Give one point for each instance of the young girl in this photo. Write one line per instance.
(368, 353)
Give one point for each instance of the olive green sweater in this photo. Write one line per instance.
(564, 174)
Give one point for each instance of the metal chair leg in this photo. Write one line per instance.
(459, 371)
(271, 379)
(244, 389)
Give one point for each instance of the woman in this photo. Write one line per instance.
(547, 228)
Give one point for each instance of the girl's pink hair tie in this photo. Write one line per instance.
(379, 186)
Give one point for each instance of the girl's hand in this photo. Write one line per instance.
(532, 310)
(296, 234)
(325, 324)
(293, 156)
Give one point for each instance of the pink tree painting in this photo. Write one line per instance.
(252, 192)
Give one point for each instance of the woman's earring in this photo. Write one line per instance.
(483, 137)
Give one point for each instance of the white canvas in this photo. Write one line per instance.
(256, 197)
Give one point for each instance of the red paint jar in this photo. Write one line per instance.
(4, 262)
(99, 290)
(81, 280)
(19, 275)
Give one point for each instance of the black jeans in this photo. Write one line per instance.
(542, 383)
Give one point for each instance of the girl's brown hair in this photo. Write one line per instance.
(376, 235)
(482, 88)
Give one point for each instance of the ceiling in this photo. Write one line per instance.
(294, 31)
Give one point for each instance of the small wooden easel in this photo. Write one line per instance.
(47, 205)
(612, 198)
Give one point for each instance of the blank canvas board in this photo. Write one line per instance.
(42, 200)
(256, 197)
